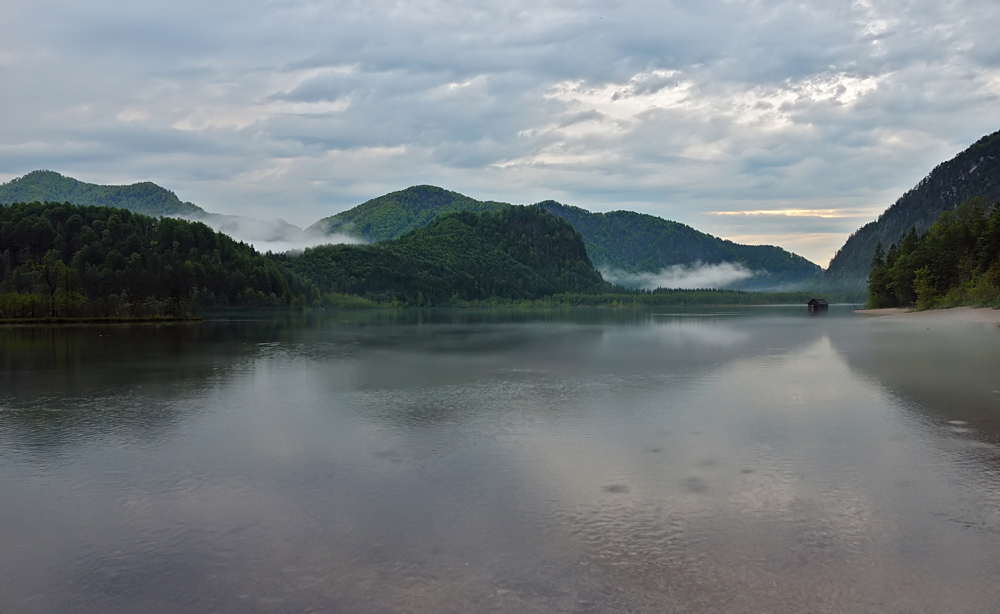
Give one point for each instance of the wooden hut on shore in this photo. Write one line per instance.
(818, 304)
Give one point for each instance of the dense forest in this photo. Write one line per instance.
(513, 254)
(955, 262)
(65, 261)
(636, 242)
(974, 172)
(62, 260)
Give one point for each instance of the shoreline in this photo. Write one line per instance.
(971, 315)
(98, 320)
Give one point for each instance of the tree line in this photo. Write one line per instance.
(955, 262)
(62, 260)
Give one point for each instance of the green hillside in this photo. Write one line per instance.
(70, 261)
(62, 260)
(515, 253)
(48, 186)
(623, 240)
(397, 213)
(636, 242)
(974, 172)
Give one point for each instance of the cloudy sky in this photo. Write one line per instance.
(790, 123)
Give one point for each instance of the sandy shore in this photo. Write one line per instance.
(971, 315)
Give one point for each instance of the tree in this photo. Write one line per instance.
(923, 287)
(53, 271)
(879, 294)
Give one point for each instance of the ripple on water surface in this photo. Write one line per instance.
(737, 463)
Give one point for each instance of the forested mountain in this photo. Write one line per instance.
(146, 198)
(62, 260)
(636, 242)
(955, 262)
(515, 253)
(974, 172)
(48, 186)
(65, 260)
(623, 240)
(397, 213)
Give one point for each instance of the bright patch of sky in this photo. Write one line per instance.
(791, 123)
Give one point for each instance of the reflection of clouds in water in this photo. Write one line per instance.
(693, 461)
(710, 332)
(701, 331)
(727, 463)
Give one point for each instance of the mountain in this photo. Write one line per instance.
(974, 172)
(629, 242)
(397, 213)
(514, 253)
(622, 243)
(146, 198)
(48, 186)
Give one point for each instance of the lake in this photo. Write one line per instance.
(718, 460)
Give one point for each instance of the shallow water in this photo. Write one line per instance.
(754, 460)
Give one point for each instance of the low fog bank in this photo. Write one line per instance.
(682, 276)
(270, 235)
(954, 316)
(296, 247)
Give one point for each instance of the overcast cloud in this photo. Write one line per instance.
(790, 123)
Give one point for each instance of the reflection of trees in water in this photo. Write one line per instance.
(409, 376)
(63, 384)
(408, 367)
(949, 372)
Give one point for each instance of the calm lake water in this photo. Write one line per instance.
(754, 460)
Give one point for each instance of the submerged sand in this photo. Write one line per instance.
(955, 315)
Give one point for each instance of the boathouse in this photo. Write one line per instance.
(818, 304)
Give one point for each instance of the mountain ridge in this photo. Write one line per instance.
(49, 186)
(394, 214)
(657, 243)
(974, 171)
(606, 236)
(144, 197)
(622, 243)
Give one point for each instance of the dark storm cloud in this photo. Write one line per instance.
(297, 109)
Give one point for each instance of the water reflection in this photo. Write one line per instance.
(589, 461)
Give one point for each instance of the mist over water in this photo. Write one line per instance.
(514, 461)
(680, 276)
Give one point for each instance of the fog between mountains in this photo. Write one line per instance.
(680, 276)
